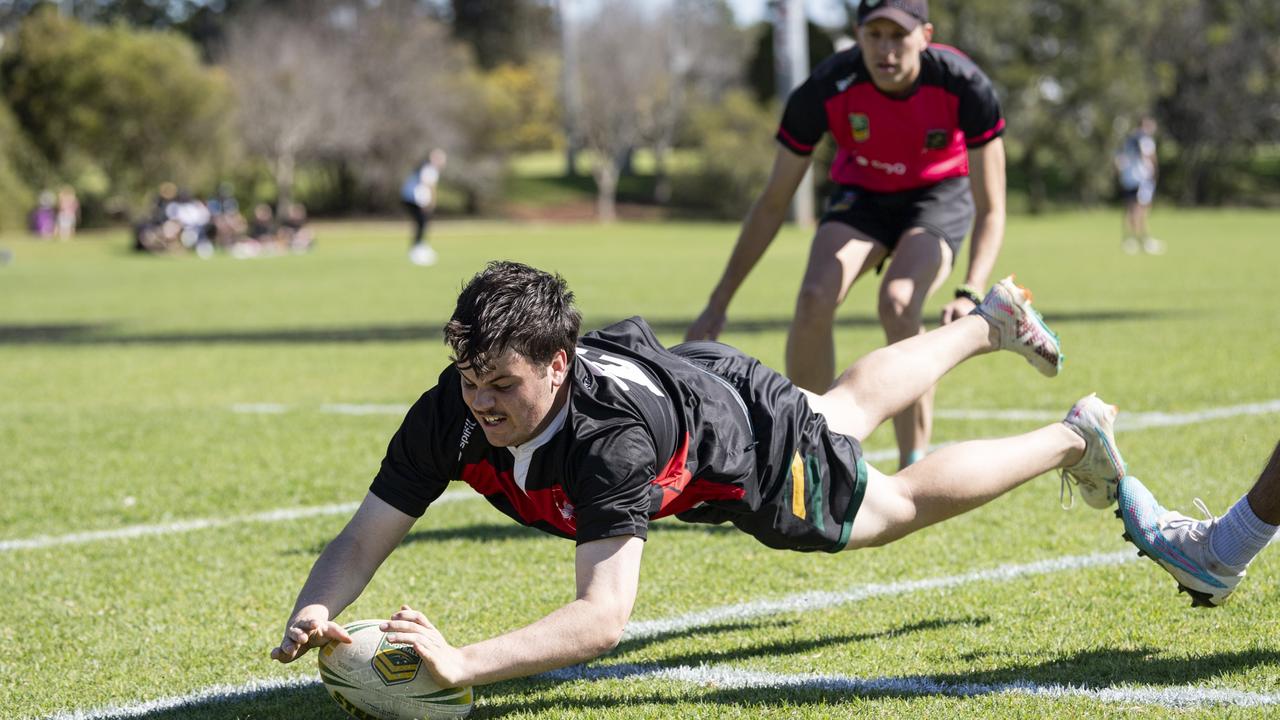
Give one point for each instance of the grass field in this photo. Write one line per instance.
(181, 438)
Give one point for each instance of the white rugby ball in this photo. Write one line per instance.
(372, 679)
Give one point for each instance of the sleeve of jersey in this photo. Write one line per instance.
(804, 120)
(411, 478)
(611, 495)
(981, 119)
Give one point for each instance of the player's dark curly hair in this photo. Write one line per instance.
(510, 305)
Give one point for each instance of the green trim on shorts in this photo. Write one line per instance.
(817, 511)
(855, 502)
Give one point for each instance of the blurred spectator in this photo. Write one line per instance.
(68, 213)
(229, 225)
(44, 218)
(418, 195)
(294, 233)
(1136, 168)
(154, 233)
(193, 222)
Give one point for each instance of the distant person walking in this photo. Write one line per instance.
(1136, 168)
(68, 213)
(418, 194)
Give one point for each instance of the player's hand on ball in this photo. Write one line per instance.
(957, 309)
(310, 628)
(442, 660)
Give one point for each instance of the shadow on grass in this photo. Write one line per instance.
(107, 333)
(776, 649)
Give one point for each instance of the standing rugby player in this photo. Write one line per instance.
(919, 162)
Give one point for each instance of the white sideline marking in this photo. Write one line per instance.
(729, 677)
(1125, 421)
(721, 676)
(207, 696)
(822, 599)
(135, 531)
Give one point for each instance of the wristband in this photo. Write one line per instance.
(970, 293)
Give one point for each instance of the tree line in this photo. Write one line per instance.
(332, 101)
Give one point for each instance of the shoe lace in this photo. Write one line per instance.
(1195, 525)
(1065, 489)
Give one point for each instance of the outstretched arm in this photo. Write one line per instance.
(608, 573)
(340, 575)
(987, 180)
(759, 229)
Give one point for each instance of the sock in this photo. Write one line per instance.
(1240, 535)
(913, 458)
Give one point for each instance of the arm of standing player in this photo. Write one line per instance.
(987, 181)
(340, 575)
(608, 575)
(759, 229)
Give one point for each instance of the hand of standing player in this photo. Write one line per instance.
(442, 660)
(707, 326)
(309, 628)
(957, 309)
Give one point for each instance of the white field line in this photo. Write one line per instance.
(181, 526)
(733, 678)
(822, 599)
(208, 696)
(724, 677)
(1125, 421)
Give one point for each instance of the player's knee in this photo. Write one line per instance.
(898, 315)
(815, 300)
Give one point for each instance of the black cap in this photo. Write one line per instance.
(910, 14)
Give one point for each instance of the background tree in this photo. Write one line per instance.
(621, 89)
(370, 90)
(115, 110)
(1217, 66)
(504, 31)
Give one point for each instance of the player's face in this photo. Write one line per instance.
(515, 400)
(892, 53)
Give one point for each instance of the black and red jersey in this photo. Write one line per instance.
(890, 144)
(644, 434)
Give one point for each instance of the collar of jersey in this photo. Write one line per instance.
(524, 453)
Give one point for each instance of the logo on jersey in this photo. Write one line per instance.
(860, 124)
(468, 426)
(935, 139)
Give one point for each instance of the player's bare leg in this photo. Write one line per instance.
(887, 380)
(921, 263)
(839, 256)
(956, 479)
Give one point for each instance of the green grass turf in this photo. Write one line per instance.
(120, 373)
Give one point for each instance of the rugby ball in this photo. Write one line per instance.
(372, 679)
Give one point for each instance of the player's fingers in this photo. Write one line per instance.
(334, 631)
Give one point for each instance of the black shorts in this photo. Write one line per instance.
(945, 209)
(811, 480)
